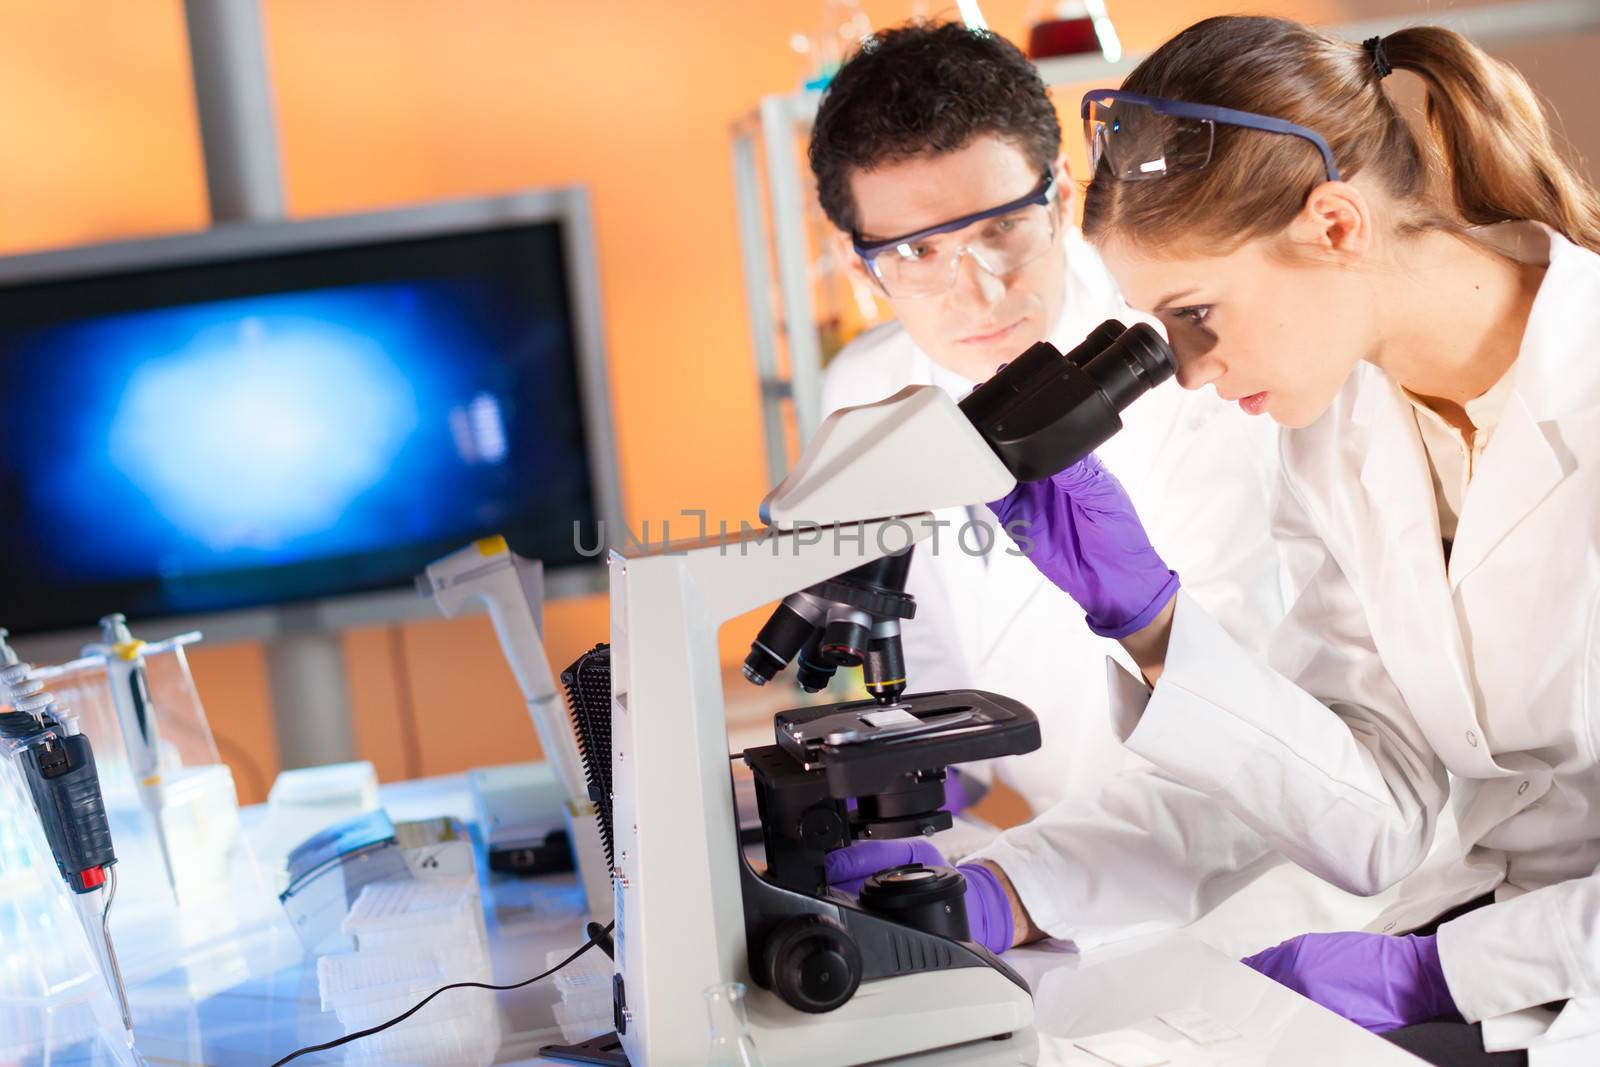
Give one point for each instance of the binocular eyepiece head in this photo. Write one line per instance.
(1044, 411)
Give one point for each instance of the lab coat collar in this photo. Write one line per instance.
(1557, 372)
(1553, 373)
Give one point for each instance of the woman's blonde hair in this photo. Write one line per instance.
(1491, 141)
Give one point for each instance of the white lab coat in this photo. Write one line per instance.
(1197, 472)
(1392, 679)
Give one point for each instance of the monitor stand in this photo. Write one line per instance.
(310, 700)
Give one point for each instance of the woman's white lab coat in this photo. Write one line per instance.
(1394, 684)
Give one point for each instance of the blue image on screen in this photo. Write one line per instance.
(250, 435)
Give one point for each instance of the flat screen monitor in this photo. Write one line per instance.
(265, 415)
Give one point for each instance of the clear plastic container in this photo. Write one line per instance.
(413, 937)
(585, 988)
(443, 916)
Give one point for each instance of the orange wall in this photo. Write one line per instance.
(390, 102)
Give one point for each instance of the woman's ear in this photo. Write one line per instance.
(1335, 223)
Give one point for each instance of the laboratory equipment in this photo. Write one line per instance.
(412, 937)
(731, 1045)
(136, 716)
(328, 872)
(307, 800)
(1071, 27)
(192, 908)
(682, 886)
(57, 764)
(512, 589)
(520, 809)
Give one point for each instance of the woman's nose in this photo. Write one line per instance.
(1197, 370)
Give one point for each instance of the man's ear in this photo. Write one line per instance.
(845, 250)
(1066, 188)
(1334, 223)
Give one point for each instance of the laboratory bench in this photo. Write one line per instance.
(1166, 998)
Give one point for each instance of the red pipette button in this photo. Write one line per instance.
(93, 877)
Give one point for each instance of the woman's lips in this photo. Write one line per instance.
(1253, 403)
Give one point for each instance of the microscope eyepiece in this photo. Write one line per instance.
(1044, 411)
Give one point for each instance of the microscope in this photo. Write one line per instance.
(833, 979)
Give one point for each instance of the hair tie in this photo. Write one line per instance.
(1380, 62)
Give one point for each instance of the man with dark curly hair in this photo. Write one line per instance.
(937, 154)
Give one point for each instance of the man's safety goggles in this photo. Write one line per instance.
(1140, 137)
(1001, 240)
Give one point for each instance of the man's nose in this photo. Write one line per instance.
(975, 283)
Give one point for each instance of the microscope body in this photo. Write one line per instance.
(682, 887)
(691, 912)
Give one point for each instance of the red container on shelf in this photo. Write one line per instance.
(1062, 37)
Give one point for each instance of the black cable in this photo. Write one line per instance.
(369, 1031)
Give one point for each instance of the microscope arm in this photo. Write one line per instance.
(920, 450)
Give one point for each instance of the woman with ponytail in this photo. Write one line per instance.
(1419, 311)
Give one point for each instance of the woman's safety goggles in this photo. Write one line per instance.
(1140, 137)
(1000, 240)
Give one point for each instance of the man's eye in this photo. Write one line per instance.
(1001, 227)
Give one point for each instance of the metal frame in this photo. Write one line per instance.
(768, 133)
(233, 101)
(567, 206)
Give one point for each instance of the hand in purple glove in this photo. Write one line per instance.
(1374, 980)
(1087, 539)
(961, 791)
(988, 908)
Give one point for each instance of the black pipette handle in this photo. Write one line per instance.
(66, 789)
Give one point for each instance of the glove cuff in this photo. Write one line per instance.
(1168, 590)
(988, 908)
(1440, 1002)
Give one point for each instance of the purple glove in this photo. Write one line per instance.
(1089, 542)
(961, 792)
(1374, 980)
(988, 910)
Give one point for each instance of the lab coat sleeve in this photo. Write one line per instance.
(1533, 949)
(1310, 745)
(1145, 853)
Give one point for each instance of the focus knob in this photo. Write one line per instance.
(813, 963)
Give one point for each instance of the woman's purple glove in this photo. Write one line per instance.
(961, 791)
(988, 909)
(1374, 980)
(1087, 539)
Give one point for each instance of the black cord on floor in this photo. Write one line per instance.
(594, 938)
